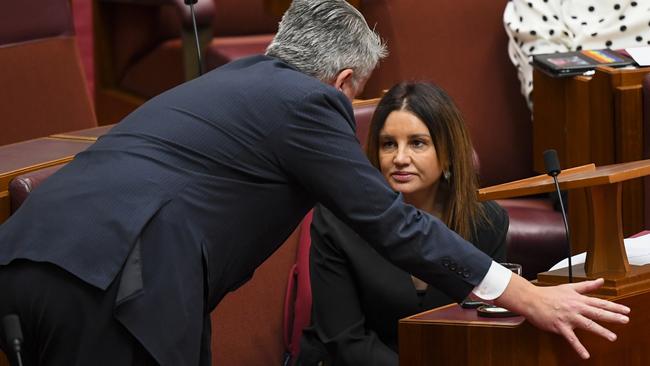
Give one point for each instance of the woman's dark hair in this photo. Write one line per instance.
(461, 210)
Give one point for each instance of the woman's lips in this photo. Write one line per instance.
(402, 177)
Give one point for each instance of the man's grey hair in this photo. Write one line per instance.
(323, 37)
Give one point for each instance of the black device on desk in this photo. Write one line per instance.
(578, 62)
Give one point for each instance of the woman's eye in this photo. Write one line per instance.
(387, 144)
(418, 143)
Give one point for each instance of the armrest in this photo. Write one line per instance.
(203, 10)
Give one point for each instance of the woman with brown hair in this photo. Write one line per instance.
(418, 140)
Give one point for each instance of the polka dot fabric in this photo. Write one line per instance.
(546, 26)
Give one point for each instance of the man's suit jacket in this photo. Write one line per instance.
(208, 179)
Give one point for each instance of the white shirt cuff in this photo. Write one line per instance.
(494, 283)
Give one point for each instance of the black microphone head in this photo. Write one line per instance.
(552, 163)
(12, 329)
(190, 2)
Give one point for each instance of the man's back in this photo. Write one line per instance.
(205, 146)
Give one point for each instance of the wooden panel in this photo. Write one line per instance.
(628, 104)
(40, 98)
(577, 132)
(601, 104)
(443, 338)
(550, 101)
(561, 119)
(600, 119)
(579, 228)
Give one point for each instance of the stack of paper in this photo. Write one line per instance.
(638, 253)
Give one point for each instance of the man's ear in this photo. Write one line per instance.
(343, 77)
(343, 82)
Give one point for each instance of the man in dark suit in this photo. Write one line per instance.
(119, 257)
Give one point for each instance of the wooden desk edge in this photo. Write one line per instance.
(488, 322)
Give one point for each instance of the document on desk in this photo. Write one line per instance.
(637, 249)
(640, 54)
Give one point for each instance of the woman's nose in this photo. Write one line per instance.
(401, 157)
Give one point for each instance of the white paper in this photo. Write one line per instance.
(638, 253)
(640, 54)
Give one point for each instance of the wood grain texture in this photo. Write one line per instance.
(431, 339)
(595, 119)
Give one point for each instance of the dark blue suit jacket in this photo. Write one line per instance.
(209, 179)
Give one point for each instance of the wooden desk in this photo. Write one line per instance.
(27, 156)
(88, 134)
(596, 119)
(451, 335)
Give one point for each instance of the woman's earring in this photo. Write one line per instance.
(446, 174)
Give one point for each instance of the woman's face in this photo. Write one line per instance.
(408, 158)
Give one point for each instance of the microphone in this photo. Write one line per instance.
(552, 164)
(13, 334)
(191, 3)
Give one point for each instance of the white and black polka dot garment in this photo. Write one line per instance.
(546, 26)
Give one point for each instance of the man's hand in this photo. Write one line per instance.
(561, 309)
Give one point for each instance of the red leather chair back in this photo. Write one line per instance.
(43, 87)
(363, 111)
(21, 186)
(297, 304)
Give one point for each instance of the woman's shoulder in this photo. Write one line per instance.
(496, 216)
(493, 209)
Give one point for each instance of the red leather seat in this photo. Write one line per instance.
(21, 186)
(42, 86)
(144, 48)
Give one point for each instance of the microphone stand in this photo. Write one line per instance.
(13, 335)
(196, 34)
(553, 169)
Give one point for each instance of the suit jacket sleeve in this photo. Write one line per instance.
(317, 148)
(337, 316)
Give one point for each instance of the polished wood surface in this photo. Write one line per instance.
(455, 336)
(528, 186)
(88, 134)
(606, 255)
(595, 119)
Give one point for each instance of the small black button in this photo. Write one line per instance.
(446, 262)
(466, 274)
(453, 267)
